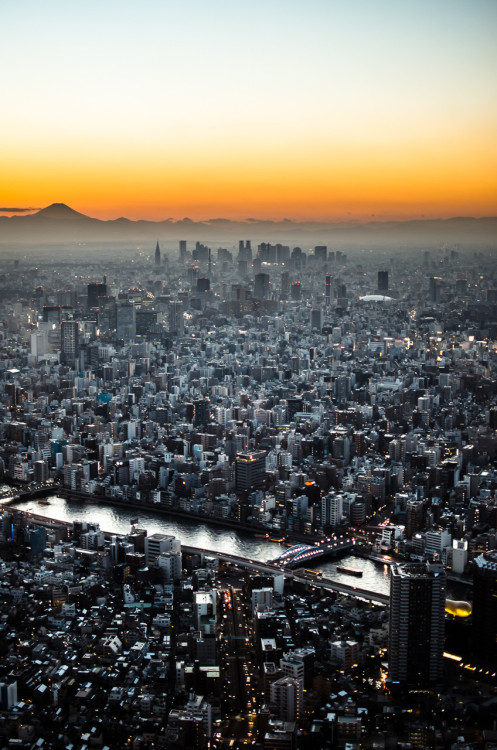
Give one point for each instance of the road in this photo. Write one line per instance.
(298, 576)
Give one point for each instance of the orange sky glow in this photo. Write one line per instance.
(332, 111)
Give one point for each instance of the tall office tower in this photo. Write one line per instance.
(321, 253)
(245, 251)
(107, 315)
(203, 285)
(383, 281)
(126, 322)
(261, 286)
(69, 340)
(157, 254)
(51, 314)
(434, 289)
(176, 321)
(285, 283)
(485, 606)
(287, 697)
(182, 249)
(96, 290)
(250, 470)
(39, 343)
(417, 623)
(317, 320)
(296, 290)
(327, 291)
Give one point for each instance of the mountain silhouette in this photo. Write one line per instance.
(60, 223)
(60, 212)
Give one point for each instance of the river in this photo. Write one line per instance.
(375, 577)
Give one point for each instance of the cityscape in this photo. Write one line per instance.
(331, 422)
(248, 375)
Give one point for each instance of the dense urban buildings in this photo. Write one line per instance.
(298, 396)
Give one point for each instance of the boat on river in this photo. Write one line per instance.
(349, 571)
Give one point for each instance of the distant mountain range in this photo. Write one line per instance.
(60, 223)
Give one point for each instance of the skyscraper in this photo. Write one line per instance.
(157, 254)
(434, 289)
(96, 290)
(327, 291)
(126, 322)
(69, 340)
(176, 322)
(317, 319)
(320, 253)
(250, 469)
(417, 623)
(261, 285)
(383, 281)
(485, 606)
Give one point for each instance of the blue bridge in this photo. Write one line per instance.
(304, 554)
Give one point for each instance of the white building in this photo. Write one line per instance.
(286, 696)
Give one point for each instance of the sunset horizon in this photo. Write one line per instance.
(333, 112)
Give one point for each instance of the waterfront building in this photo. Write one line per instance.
(417, 625)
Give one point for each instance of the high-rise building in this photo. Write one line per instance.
(417, 623)
(320, 253)
(296, 290)
(176, 321)
(261, 286)
(96, 290)
(203, 284)
(327, 291)
(434, 289)
(126, 322)
(383, 281)
(182, 249)
(8, 694)
(331, 510)
(250, 469)
(69, 340)
(287, 697)
(201, 409)
(107, 315)
(157, 254)
(485, 606)
(414, 519)
(317, 320)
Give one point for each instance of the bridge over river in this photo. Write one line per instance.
(303, 554)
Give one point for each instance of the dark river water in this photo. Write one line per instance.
(375, 576)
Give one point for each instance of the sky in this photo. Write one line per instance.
(317, 109)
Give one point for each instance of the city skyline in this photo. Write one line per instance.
(335, 111)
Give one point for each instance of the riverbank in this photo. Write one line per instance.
(167, 511)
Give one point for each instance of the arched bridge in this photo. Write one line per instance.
(303, 554)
